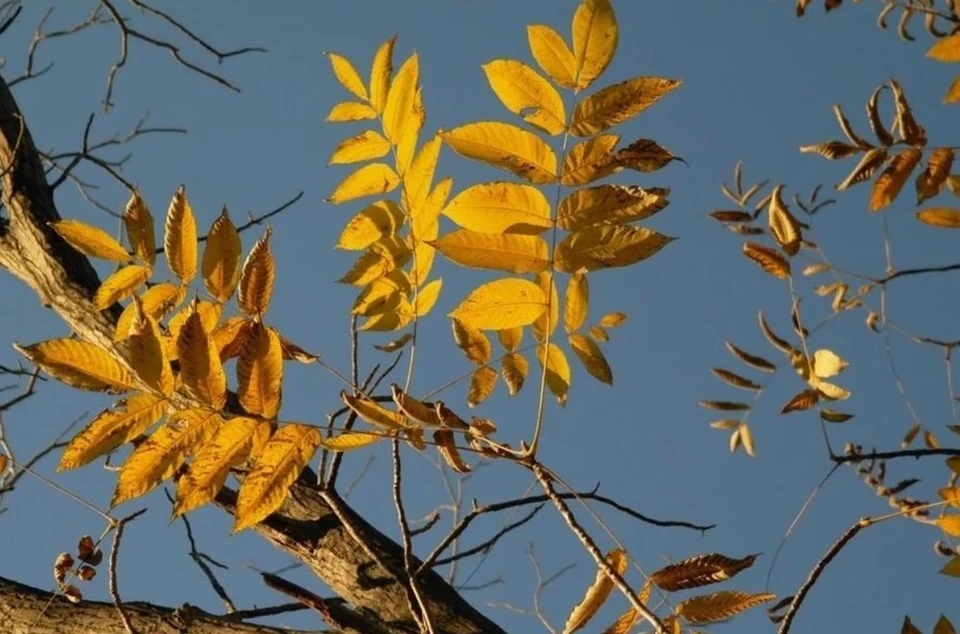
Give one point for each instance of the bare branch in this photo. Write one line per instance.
(112, 576)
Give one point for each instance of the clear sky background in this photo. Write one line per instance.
(758, 83)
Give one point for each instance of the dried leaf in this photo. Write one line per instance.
(719, 606)
(645, 155)
(576, 302)
(618, 103)
(395, 345)
(783, 226)
(802, 401)
(514, 369)
(699, 571)
(444, 439)
(597, 593)
(931, 180)
(752, 360)
(731, 216)
(865, 169)
(373, 413)
(832, 150)
(735, 379)
(609, 205)
(768, 259)
(772, 337)
(873, 115)
(833, 416)
(940, 217)
(888, 185)
(725, 406)
(911, 132)
(909, 436)
(596, 248)
(472, 342)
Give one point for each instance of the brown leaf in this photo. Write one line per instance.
(783, 226)
(910, 131)
(888, 186)
(699, 571)
(725, 406)
(735, 379)
(752, 360)
(873, 115)
(802, 401)
(731, 216)
(865, 169)
(768, 259)
(645, 155)
(833, 150)
(931, 180)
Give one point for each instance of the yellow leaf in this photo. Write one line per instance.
(865, 169)
(951, 495)
(612, 320)
(953, 92)
(394, 319)
(426, 298)
(276, 467)
(502, 303)
(592, 358)
(140, 230)
(609, 205)
(79, 364)
(747, 438)
(231, 445)
(506, 147)
(148, 355)
(381, 219)
(381, 295)
(783, 226)
(119, 424)
(941, 217)
(888, 185)
(826, 364)
(950, 524)
(158, 300)
(200, 368)
(482, 382)
(350, 111)
(768, 259)
(547, 322)
(930, 182)
(347, 75)
(952, 567)
(599, 333)
(120, 285)
(373, 413)
(228, 338)
(209, 317)
(597, 593)
(944, 626)
(396, 344)
(419, 178)
(558, 371)
(472, 342)
(180, 237)
(604, 247)
(524, 92)
(416, 410)
(260, 372)
(90, 240)
(500, 207)
(398, 110)
(514, 369)
(595, 37)
(510, 338)
(365, 146)
(369, 180)
(498, 251)
(447, 448)
(425, 225)
(946, 49)
(256, 278)
(380, 259)
(719, 606)
(577, 302)
(159, 457)
(221, 258)
(590, 160)
(380, 75)
(831, 391)
(552, 54)
(350, 440)
(618, 103)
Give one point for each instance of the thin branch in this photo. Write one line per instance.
(903, 453)
(112, 576)
(257, 613)
(423, 619)
(492, 541)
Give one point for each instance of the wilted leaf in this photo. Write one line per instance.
(506, 147)
(783, 226)
(514, 369)
(865, 169)
(380, 73)
(719, 606)
(735, 379)
(802, 401)
(911, 132)
(725, 406)
(833, 150)
(618, 103)
(645, 155)
(752, 360)
(373, 413)
(471, 341)
(597, 593)
(609, 205)
(833, 416)
(931, 180)
(444, 439)
(772, 337)
(699, 571)
(888, 186)
(768, 259)
(395, 345)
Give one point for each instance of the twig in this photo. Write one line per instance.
(904, 453)
(423, 620)
(491, 542)
(112, 570)
(256, 613)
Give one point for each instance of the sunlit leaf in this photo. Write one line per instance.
(90, 240)
(482, 382)
(524, 92)
(500, 207)
(888, 185)
(502, 303)
(768, 259)
(609, 205)
(506, 147)
(221, 258)
(514, 369)
(498, 251)
(365, 146)
(940, 217)
(79, 364)
(380, 73)
(719, 606)
(558, 370)
(590, 160)
(597, 593)
(260, 372)
(256, 278)
(553, 55)
(576, 302)
(347, 111)
(472, 342)
(347, 75)
(120, 285)
(369, 180)
(618, 103)
(140, 230)
(592, 358)
(604, 247)
(180, 237)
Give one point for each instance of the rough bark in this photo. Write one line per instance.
(21, 608)
(305, 526)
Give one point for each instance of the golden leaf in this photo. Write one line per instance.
(605, 247)
(725, 406)
(552, 55)
(599, 333)
(347, 75)
(592, 358)
(783, 226)
(426, 298)
(727, 423)
(120, 285)
(768, 259)
(909, 436)
(482, 382)
(746, 437)
(292, 352)
(946, 49)
(618, 103)
(645, 155)
(944, 626)
(609, 205)
(379, 220)
(121, 423)
(158, 300)
(140, 231)
(876, 124)
(953, 463)
(276, 467)
(590, 160)
(595, 38)
(260, 372)
(734, 379)
(394, 319)
(369, 180)
(426, 226)
(802, 401)
(418, 180)
(209, 317)
(951, 568)
(752, 360)
(699, 571)
(200, 369)
(848, 131)
(256, 278)
(869, 164)
(500, 207)
(180, 237)
(380, 73)
(448, 451)
(558, 370)
(148, 355)
(826, 364)
(833, 416)
(506, 147)
(833, 150)
(350, 111)
(510, 338)
(221, 258)
(414, 409)
(548, 321)
(350, 440)
(365, 146)
(79, 364)
(232, 444)
(953, 92)
(772, 337)
(888, 185)
(951, 495)
(624, 624)
(502, 303)
(373, 413)
(612, 320)
(719, 606)
(160, 455)
(90, 240)
(472, 342)
(735, 439)
(816, 269)
(229, 336)
(931, 180)
(597, 593)
(398, 110)
(514, 369)
(381, 295)
(524, 92)
(949, 524)
(382, 258)
(498, 251)
(576, 302)
(940, 217)
(911, 132)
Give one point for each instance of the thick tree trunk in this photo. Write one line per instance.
(305, 527)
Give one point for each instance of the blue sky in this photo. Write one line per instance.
(757, 84)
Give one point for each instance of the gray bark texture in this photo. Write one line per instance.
(305, 527)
